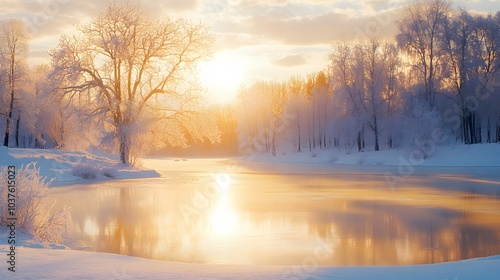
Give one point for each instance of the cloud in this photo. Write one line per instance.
(284, 3)
(290, 61)
(178, 5)
(235, 41)
(322, 29)
(52, 17)
(267, 26)
(49, 19)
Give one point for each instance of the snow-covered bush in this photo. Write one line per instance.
(85, 170)
(33, 210)
(421, 124)
(108, 172)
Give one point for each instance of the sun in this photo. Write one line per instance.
(222, 76)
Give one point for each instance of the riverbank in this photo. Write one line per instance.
(67, 264)
(443, 156)
(66, 167)
(35, 262)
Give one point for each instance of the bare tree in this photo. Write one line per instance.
(393, 87)
(14, 44)
(278, 94)
(227, 124)
(137, 70)
(374, 72)
(296, 89)
(348, 74)
(459, 43)
(420, 30)
(362, 72)
(487, 34)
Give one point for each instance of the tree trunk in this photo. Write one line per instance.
(124, 153)
(363, 138)
(124, 148)
(313, 130)
(7, 128)
(375, 131)
(479, 132)
(470, 126)
(299, 138)
(360, 141)
(61, 130)
(464, 128)
(17, 129)
(488, 131)
(9, 118)
(498, 132)
(273, 143)
(298, 126)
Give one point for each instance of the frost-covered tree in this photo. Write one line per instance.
(393, 89)
(472, 49)
(420, 31)
(48, 113)
(227, 124)
(487, 36)
(348, 74)
(137, 73)
(460, 45)
(261, 110)
(421, 124)
(14, 39)
(362, 72)
(295, 106)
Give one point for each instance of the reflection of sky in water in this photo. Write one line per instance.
(278, 219)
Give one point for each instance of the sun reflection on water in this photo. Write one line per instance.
(223, 219)
(278, 220)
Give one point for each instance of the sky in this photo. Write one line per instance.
(255, 39)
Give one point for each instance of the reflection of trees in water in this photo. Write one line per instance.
(475, 240)
(137, 221)
(378, 233)
(149, 222)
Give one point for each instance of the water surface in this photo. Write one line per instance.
(286, 216)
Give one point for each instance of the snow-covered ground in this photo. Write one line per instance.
(68, 264)
(34, 262)
(443, 156)
(66, 167)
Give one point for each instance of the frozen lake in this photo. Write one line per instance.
(339, 215)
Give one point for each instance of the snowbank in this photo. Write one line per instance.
(69, 167)
(446, 156)
(68, 264)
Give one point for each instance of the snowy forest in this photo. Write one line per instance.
(128, 83)
(438, 80)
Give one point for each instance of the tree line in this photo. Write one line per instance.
(440, 72)
(126, 82)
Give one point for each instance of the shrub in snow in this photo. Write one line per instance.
(85, 170)
(361, 159)
(421, 124)
(108, 172)
(334, 158)
(33, 210)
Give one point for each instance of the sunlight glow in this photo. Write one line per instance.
(222, 76)
(223, 220)
(90, 227)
